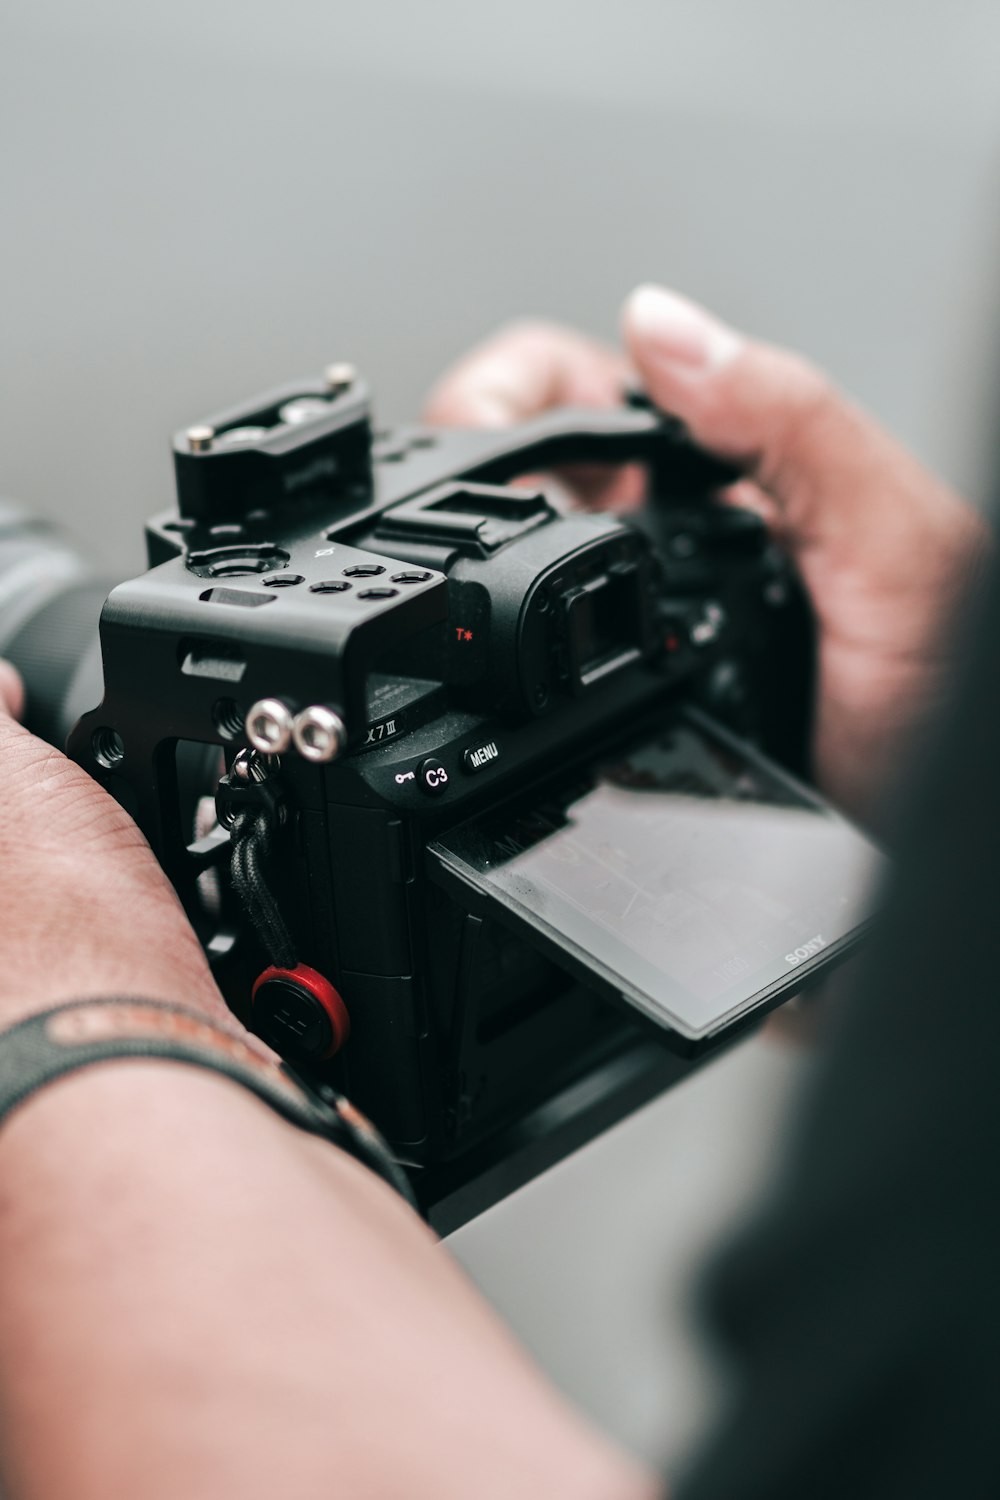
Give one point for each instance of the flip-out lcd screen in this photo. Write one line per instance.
(692, 875)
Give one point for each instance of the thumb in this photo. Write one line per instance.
(11, 691)
(838, 481)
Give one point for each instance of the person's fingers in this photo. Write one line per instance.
(11, 691)
(884, 548)
(615, 487)
(746, 495)
(838, 480)
(524, 370)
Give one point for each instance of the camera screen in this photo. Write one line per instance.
(690, 873)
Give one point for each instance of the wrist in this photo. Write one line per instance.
(44, 1049)
(71, 934)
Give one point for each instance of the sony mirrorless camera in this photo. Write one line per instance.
(473, 799)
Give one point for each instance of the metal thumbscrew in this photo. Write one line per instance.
(200, 438)
(319, 734)
(339, 378)
(269, 726)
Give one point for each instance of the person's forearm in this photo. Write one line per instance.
(197, 1299)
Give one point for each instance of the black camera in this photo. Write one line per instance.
(466, 793)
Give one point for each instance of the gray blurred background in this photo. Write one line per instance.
(202, 198)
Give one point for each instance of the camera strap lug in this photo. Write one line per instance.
(250, 785)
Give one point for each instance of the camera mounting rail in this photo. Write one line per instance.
(308, 444)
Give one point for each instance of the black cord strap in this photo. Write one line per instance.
(250, 839)
(57, 1042)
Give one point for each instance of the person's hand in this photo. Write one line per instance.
(885, 549)
(85, 910)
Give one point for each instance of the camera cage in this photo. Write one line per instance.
(238, 607)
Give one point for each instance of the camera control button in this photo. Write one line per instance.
(432, 777)
(478, 757)
(706, 630)
(300, 1013)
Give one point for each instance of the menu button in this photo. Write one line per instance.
(478, 756)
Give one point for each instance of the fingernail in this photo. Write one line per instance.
(678, 333)
(489, 411)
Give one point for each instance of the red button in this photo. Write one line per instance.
(300, 1013)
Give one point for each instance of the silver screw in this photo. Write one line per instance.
(339, 378)
(200, 438)
(269, 726)
(303, 409)
(319, 734)
(235, 437)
